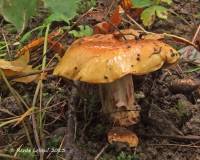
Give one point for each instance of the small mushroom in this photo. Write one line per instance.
(122, 135)
(111, 61)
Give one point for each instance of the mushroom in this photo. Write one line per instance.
(110, 61)
(122, 135)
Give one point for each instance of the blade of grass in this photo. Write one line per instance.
(41, 125)
(39, 136)
(192, 70)
(26, 35)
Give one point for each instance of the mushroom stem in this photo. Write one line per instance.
(118, 101)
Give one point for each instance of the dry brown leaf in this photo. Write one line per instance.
(108, 27)
(126, 4)
(128, 7)
(17, 67)
(36, 43)
(20, 65)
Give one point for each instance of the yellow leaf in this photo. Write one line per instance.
(17, 67)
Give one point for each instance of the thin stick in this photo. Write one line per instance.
(36, 135)
(177, 137)
(196, 34)
(115, 27)
(19, 100)
(176, 145)
(164, 34)
(194, 39)
(7, 46)
(137, 24)
(101, 152)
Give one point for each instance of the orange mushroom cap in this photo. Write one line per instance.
(122, 135)
(105, 58)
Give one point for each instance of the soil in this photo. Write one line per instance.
(165, 109)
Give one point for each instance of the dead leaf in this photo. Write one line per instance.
(116, 17)
(190, 54)
(18, 66)
(36, 43)
(186, 85)
(128, 8)
(107, 27)
(126, 4)
(103, 27)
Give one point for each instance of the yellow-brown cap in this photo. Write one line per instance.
(122, 135)
(105, 58)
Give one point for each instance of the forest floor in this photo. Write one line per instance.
(169, 128)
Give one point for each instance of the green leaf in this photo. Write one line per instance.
(56, 17)
(141, 3)
(148, 15)
(84, 31)
(18, 12)
(28, 35)
(167, 1)
(62, 10)
(161, 12)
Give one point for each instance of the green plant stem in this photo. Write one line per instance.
(39, 136)
(192, 70)
(45, 46)
(41, 88)
(33, 30)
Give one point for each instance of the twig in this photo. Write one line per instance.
(176, 137)
(176, 145)
(115, 27)
(19, 100)
(194, 39)
(164, 34)
(197, 33)
(137, 24)
(7, 46)
(101, 152)
(37, 140)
